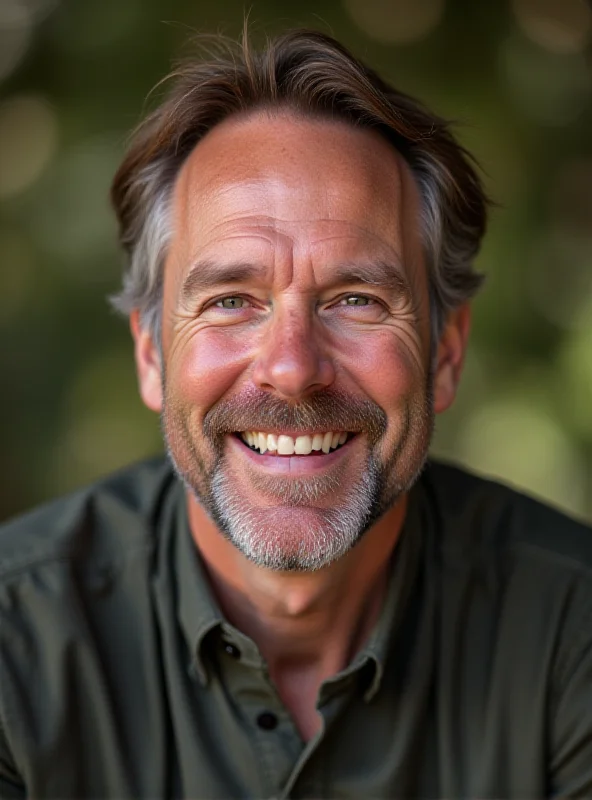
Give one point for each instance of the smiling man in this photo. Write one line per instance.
(295, 603)
(299, 319)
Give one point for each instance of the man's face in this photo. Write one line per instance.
(295, 316)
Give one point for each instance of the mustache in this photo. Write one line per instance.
(331, 409)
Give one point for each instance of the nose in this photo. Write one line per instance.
(292, 361)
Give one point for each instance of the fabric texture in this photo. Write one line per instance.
(120, 677)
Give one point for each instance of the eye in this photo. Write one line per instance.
(357, 300)
(231, 302)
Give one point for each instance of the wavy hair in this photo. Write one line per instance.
(313, 75)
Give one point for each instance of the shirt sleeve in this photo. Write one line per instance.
(571, 731)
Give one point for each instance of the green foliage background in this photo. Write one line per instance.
(77, 83)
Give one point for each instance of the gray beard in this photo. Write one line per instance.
(293, 534)
(323, 536)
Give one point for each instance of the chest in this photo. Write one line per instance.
(445, 721)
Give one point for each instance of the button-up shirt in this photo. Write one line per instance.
(121, 678)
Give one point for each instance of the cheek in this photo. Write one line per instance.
(207, 365)
(385, 366)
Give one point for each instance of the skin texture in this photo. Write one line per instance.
(312, 206)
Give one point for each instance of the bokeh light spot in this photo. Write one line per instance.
(104, 425)
(71, 217)
(396, 21)
(559, 277)
(28, 140)
(513, 439)
(575, 360)
(561, 26)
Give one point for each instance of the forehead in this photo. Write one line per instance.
(277, 183)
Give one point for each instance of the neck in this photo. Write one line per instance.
(302, 621)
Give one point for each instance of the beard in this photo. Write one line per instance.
(300, 524)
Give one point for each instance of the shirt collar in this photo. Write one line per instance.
(199, 614)
(197, 610)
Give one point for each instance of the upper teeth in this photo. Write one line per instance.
(287, 445)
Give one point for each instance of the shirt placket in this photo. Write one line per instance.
(268, 724)
(308, 779)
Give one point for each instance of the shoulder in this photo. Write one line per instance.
(75, 578)
(520, 561)
(95, 524)
(476, 514)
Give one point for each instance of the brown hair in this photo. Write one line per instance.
(314, 75)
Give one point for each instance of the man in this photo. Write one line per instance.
(297, 606)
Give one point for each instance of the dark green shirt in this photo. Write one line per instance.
(119, 677)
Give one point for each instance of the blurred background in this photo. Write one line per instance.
(515, 74)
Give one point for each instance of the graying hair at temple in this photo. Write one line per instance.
(313, 75)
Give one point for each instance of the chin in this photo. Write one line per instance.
(291, 539)
(295, 533)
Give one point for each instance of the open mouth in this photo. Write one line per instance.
(280, 444)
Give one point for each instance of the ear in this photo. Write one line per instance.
(450, 357)
(148, 364)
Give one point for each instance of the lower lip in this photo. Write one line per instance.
(293, 465)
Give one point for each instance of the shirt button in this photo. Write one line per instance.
(267, 721)
(232, 650)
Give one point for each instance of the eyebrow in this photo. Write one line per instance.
(206, 274)
(203, 275)
(384, 274)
